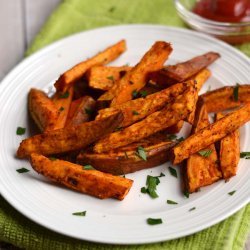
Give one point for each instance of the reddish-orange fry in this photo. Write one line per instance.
(201, 170)
(210, 134)
(158, 121)
(69, 138)
(227, 97)
(135, 79)
(229, 152)
(103, 77)
(73, 176)
(73, 107)
(70, 76)
(42, 110)
(62, 101)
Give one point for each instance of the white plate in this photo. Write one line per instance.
(112, 221)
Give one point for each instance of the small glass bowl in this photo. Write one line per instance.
(233, 33)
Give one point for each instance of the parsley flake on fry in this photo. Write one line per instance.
(236, 92)
(88, 167)
(64, 95)
(205, 153)
(141, 153)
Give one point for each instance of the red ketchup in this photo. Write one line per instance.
(232, 11)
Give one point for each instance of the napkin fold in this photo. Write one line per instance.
(77, 15)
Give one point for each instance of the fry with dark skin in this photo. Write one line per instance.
(229, 152)
(200, 170)
(42, 110)
(73, 176)
(158, 121)
(67, 79)
(83, 112)
(103, 77)
(136, 78)
(126, 160)
(69, 138)
(224, 98)
(180, 72)
(209, 135)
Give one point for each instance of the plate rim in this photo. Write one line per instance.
(53, 45)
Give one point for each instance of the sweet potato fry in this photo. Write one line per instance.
(227, 97)
(229, 152)
(212, 133)
(69, 138)
(83, 112)
(140, 108)
(103, 77)
(180, 72)
(158, 121)
(62, 101)
(201, 170)
(66, 80)
(73, 107)
(126, 160)
(135, 79)
(176, 128)
(42, 110)
(73, 176)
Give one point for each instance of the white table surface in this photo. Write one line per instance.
(20, 21)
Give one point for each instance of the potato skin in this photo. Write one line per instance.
(229, 152)
(68, 78)
(70, 138)
(42, 110)
(210, 134)
(158, 121)
(73, 176)
(201, 171)
(223, 98)
(180, 72)
(125, 160)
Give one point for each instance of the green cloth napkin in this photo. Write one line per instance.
(77, 15)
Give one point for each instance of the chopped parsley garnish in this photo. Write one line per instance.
(118, 128)
(20, 131)
(171, 137)
(143, 93)
(236, 92)
(151, 183)
(53, 158)
(89, 111)
(232, 192)
(83, 213)
(180, 139)
(171, 202)
(61, 109)
(135, 112)
(205, 152)
(134, 94)
(173, 171)
(161, 175)
(245, 155)
(192, 209)
(64, 95)
(111, 78)
(22, 170)
(88, 167)
(141, 153)
(186, 193)
(154, 221)
(126, 155)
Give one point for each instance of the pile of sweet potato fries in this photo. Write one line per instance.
(107, 121)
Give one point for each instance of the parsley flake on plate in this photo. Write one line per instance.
(20, 131)
(22, 170)
(154, 221)
(173, 171)
(83, 213)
